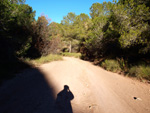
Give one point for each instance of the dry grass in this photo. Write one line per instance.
(141, 72)
(111, 65)
(76, 55)
(45, 59)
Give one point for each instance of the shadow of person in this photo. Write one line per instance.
(63, 100)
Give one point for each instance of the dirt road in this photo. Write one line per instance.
(92, 90)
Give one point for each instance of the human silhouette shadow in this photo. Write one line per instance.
(63, 100)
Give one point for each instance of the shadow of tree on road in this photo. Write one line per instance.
(63, 101)
(28, 92)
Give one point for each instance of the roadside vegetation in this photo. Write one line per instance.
(76, 55)
(141, 70)
(116, 36)
(111, 65)
(44, 59)
(50, 58)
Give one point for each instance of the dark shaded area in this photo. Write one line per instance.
(134, 98)
(10, 68)
(63, 101)
(15, 36)
(28, 92)
(33, 53)
(9, 63)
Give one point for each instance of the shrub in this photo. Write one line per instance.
(111, 65)
(140, 72)
(76, 55)
(133, 71)
(123, 64)
(45, 59)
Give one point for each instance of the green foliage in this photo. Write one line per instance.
(111, 65)
(15, 26)
(45, 59)
(55, 30)
(141, 71)
(123, 64)
(74, 28)
(98, 10)
(101, 39)
(17, 1)
(81, 26)
(69, 19)
(76, 55)
(130, 19)
(118, 30)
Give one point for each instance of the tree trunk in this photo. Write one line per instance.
(70, 47)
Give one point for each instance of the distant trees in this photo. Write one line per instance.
(118, 29)
(56, 34)
(74, 29)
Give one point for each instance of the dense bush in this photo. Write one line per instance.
(76, 55)
(44, 59)
(111, 65)
(140, 72)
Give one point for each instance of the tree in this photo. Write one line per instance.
(17, 1)
(131, 19)
(56, 34)
(40, 38)
(15, 27)
(97, 9)
(68, 28)
(119, 30)
(55, 30)
(95, 45)
(69, 19)
(82, 24)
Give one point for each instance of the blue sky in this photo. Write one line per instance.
(57, 9)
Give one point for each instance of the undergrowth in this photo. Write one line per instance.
(44, 59)
(140, 71)
(76, 55)
(111, 65)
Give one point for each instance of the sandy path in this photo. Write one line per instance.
(95, 90)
